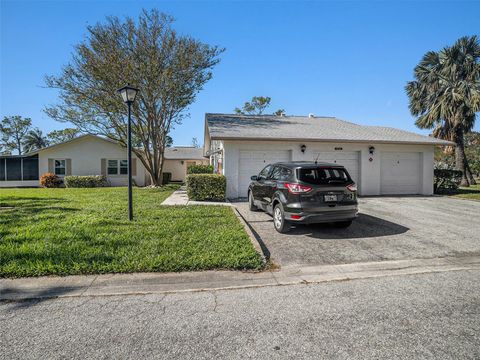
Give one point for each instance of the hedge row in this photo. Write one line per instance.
(88, 181)
(446, 180)
(200, 169)
(202, 187)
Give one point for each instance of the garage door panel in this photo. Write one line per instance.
(251, 162)
(400, 173)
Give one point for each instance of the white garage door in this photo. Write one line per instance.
(252, 162)
(400, 173)
(349, 159)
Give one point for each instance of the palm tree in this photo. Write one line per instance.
(35, 140)
(445, 95)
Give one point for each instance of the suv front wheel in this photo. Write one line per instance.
(251, 203)
(279, 222)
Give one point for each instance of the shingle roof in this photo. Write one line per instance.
(269, 127)
(184, 153)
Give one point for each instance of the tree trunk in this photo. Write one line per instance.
(470, 177)
(460, 158)
(155, 176)
(19, 146)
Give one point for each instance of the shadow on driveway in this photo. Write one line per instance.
(364, 226)
(21, 299)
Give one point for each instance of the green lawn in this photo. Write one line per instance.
(471, 192)
(86, 231)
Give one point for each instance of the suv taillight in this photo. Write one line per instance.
(352, 187)
(297, 188)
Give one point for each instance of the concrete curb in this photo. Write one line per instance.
(154, 283)
(256, 240)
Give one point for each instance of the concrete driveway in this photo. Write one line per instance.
(388, 228)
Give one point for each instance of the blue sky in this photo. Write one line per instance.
(345, 59)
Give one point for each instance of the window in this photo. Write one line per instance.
(112, 167)
(285, 174)
(2, 169)
(280, 173)
(117, 167)
(19, 168)
(264, 173)
(14, 169)
(123, 167)
(321, 176)
(30, 168)
(60, 167)
(276, 172)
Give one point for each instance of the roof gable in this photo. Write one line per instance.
(78, 138)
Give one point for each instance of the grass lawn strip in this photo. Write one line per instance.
(470, 193)
(86, 231)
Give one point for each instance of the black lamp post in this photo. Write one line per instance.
(128, 95)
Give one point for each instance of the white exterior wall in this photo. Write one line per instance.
(369, 171)
(178, 168)
(86, 154)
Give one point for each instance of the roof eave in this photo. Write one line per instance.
(236, 138)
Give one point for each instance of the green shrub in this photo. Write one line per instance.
(446, 180)
(200, 169)
(206, 187)
(50, 180)
(166, 177)
(89, 181)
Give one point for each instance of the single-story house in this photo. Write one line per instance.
(179, 158)
(88, 155)
(381, 160)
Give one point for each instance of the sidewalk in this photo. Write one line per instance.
(149, 283)
(179, 197)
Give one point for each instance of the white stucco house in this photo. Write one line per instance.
(90, 155)
(381, 160)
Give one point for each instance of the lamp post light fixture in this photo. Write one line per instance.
(129, 94)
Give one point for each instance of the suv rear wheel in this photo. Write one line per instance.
(279, 222)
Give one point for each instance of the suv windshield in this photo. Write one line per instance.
(323, 176)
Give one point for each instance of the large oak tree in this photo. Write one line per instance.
(168, 68)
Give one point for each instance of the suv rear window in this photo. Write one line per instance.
(324, 176)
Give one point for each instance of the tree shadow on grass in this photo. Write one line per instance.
(20, 210)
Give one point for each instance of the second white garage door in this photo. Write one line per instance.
(251, 162)
(400, 173)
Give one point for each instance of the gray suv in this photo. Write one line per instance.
(304, 192)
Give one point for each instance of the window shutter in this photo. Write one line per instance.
(104, 167)
(134, 167)
(68, 165)
(51, 168)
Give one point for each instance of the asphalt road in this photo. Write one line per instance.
(388, 228)
(428, 316)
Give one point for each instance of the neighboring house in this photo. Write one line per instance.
(84, 155)
(178, 159)
(381, 160)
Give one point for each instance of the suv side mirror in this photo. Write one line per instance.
(254, 178)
